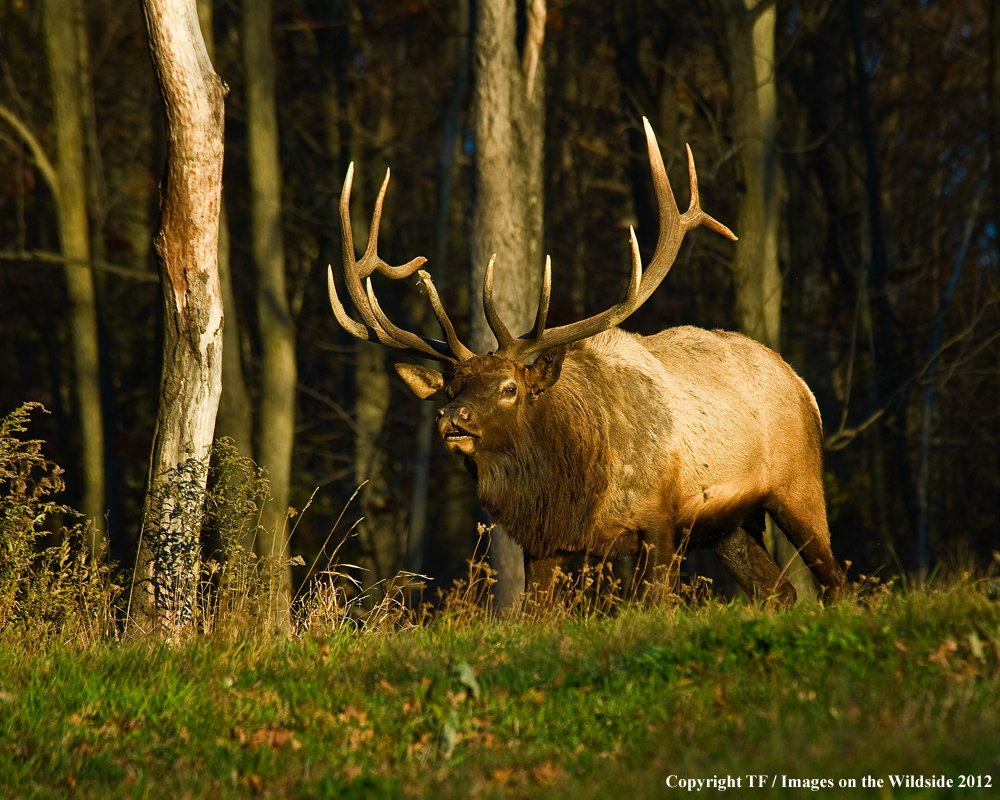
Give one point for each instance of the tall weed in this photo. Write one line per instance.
(55, 590)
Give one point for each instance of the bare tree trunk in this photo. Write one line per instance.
(446, 162)
(186, 244)
(884, 355)
(509, 121)
(749, 26)
(71, 199)
(757, 277)
(276, 428)
(235, 417)
(371, 405)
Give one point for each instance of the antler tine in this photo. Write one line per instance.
(565, 334)
(370, 261)
(376, 326)
(529, 343)
(543, 302)
(352, 268)
(504, 339)
(356, 329)
(428, 347)
(673, 226)
(356, 271)
(397, 339)
(460, 350)
(694, 216)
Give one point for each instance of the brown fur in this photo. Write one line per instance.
(618, 441)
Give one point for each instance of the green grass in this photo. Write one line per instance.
(905, 683)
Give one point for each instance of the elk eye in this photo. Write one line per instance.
(511, 390)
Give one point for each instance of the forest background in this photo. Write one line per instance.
(882, 170)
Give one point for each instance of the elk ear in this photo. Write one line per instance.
(545, 371)
(427, 384)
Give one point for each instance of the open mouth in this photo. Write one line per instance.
(459, 440)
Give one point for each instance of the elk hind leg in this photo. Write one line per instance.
(802, 518)
(745, 558)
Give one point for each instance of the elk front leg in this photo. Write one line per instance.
(658, 560)
(752, 568)
(540, 573)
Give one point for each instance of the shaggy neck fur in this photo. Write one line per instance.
(544, 491)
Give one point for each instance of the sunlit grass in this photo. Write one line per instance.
(580, 694)
(903, 683)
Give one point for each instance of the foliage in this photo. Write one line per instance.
(52, 589)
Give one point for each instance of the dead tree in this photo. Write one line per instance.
(186, 245)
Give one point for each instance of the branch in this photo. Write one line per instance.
(57, 258)
(755, 13)
(533, 44)
(842, 437)
(37, 152)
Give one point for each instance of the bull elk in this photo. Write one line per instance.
(585, 438)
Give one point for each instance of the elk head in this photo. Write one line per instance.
(486, 395)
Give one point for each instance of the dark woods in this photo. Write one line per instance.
(886, 242)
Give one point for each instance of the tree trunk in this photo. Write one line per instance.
(749, 26)
(884, 354)
(276, 429)
(71, 200)
(371, 405)
(186, 245)
(757, 277)
(235, 417)
(446, 167)
(509, 122)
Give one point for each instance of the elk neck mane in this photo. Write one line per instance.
(545, 490)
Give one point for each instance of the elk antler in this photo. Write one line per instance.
(377, 326)
(673, 226)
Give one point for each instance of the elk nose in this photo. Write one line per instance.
(454, 413)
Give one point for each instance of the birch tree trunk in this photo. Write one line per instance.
(70, 189)
(186, 245)
(509, 123)
(749, 26)
(276, 427)
(235, 417)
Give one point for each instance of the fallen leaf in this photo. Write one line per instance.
(502, 775)
(546, 774)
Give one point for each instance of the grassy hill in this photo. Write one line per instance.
(891, 684)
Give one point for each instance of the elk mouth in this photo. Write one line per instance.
(459, 441)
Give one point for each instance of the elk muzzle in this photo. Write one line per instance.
(456, 424)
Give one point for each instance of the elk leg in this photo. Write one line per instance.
(752, 568)
(804, 523)
(658, 561)
(540, 573)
